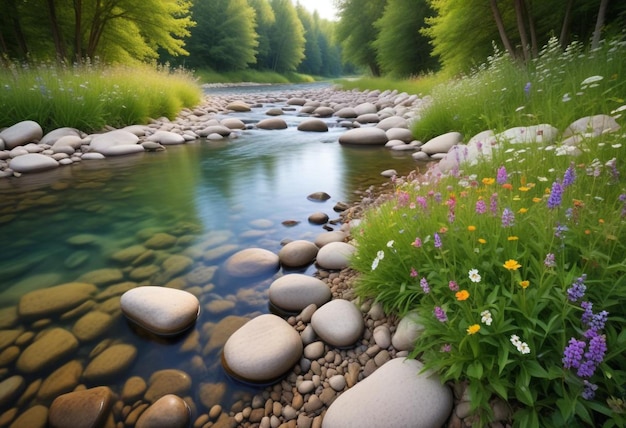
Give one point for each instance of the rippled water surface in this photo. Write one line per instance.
(58, 226)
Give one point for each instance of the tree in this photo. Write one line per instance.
(312, 62)
(226, 39)
(265, 20)
(401, 49)
(286, 38)
(357, 33)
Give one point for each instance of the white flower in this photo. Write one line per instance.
(620, 108)
(591, 79)
(515, 340)
(524, 348)
(380, 255)
(375, 263)
(520, 108)
(566, 98)
(390, 244)
(474, 276)
(486, 317)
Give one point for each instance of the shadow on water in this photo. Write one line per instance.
(72, 223)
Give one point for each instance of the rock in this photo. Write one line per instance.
(9, 390)
(166, 137)
(262, 350)
(133, 389)
(420, 156)
(396, 395)
(401, 134)
(318, 197)
(160, 310)
(168, 381)
(32, 162)
(110, 363)
(313, 125)
(82, 409)
(272, 123)
(222, 331)
(318, 218)
(297, 253)
(442, 143)
(314, 350)
(323, 111)
(159, 241)
(365, 108)
(346, 113)
(389, 173)
(238, 106)
(93, 156)
(335, 255)
(407, 332)
(62, 380)
(102, 276)
(368, 118)
(44, 352)
(176, 264)
(233, 123)
(328, 237)
(251, 262)
(337, 382)
(34, 417)
(215, 129)
(169, 411)
(115, 143)
(7, 337)
(212, 394)
(296, 101)
(364, 136)
(594, 125)
(392, 122)
(294, 292)
(21, 133)
(274, 112)
(382, 336)
(92, 325)
(52, 137)
(338, 323)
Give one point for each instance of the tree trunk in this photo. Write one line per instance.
(531, 26)
(564, 37)
(56, 34)
(78, 30)
(500, 24)
(22, 48)
(521, 28)
(597, 33)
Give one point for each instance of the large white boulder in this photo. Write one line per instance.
(338, 323)
(364, 136)
(32, 162)
(296, 291)
(21, 133)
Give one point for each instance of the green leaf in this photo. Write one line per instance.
(475, 370)
(503, 359)
(535, 369)
(522, 388)
(583, 413)
(499, 388)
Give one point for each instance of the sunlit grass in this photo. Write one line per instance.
(88, 97)
(421, 85)
(252, 76)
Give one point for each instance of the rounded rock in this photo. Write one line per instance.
(313, 125)
(81, 409)
(252, 262)
(32, 162)
(297, 253)
(338, 323)
(47, 350)
(442, 143)
(327, 237)
(364, 137)
(296, 291)
(111, 362)
(169, 411)
(335, 255)
(21, 133)
(272, 124)
(168, 381)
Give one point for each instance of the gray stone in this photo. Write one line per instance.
(335, 255)
(594, 125)
(392, 122)
(529, 134)
(262, 350)
(252, 262)
(32, 162)
(238, 106)
(401, 134)
(115, 143)
(233, 123)
(323, 111)
(297, 253)
(21, 133)
(407, 332)
(365, 108)
(328, 237)
(215, 129)
(55, 135)
(170, 411)
(314, 350)
(166, 137)
(346, 113)
(163, 311)
(368, 118)
(272, 123)
(338, 323)
(396, 395)
(364, 136)
(313, 125)
(294, 292)
(442, 143)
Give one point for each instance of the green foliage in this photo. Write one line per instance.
(89, 97)
(265, 20)
(494, 96)
(421, 85)
(286, 38)
(256, 76)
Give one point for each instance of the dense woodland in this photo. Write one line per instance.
(399, 38)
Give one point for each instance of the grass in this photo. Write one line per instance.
(256, 76)
(421, 85)
(514, 264)
(88, 97)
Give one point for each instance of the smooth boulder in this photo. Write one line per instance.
(169, 411)
(21, 133)
(32, 162)
(442, 143)
(313, 125)
(251, 262)
(338, 323)
(364, 137)
(272, 123)
(294, 292)
(82, 409)
(335, 255)
(396, 395)
(297, 253)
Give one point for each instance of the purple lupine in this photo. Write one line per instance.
(586, 369)
(493, 204)
(440, 314)
(437, 240)
(577, 290)
(559, 230)
(598, 320)
(549, 261)
(569, 177)
(590, 390)
(587, 316)
(481, 207)
(508, 218)
(453, 286)
(424, 285)
(597, 348)
(573, 353)
(556, 195)
(502, 176)
(527, 89)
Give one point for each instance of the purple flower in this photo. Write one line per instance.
(590, 390)
(446, 348)
(573, 353)
(413, 272)
(403, 199)
(417, 243)
(597, 349)
(437, 240)
(587, 316)
(451, 216)
(508, 218)
(493, 203)
(422, 202)
(586, 369)
(453, 286)
(556, 195)
(559, 231)
(424, 285)
(527, 89)
(569, 177)
(549, 261)
(577, 290)
(438, 197)
(481, 207)
(440, 314)
(622, 198)
(502, 176)
(598, 320)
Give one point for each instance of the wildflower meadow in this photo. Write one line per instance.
(514, 267)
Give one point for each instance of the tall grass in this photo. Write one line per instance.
(552, 89)
(420, 85)
(255, 76)
(88, 97)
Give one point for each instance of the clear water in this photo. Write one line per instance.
(198, 190)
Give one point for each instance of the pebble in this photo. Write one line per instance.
(169, 411)
(86, 408)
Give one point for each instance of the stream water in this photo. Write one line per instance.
(57, 226)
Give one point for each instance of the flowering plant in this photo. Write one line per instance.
(516, 269)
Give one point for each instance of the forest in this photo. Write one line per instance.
(398, 38)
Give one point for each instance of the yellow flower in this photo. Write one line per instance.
(512, 264)
(524, 284)
(488, 181)
(535, 199)
(524, 189)
(473, 329)
(522, 210)
(482, 241)
(462, 295)
(471, 228)
(512, 238)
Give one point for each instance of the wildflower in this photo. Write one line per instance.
(488, 181)
(560, 230)
(598, 320)
(577, 290)
(390, 244)
(502, 176)
(473, 329)
(549, 260)
(482, 241)
(570, 176)
(471, 228)
(507, 186)
(586, 369)
(417, 243)
(512, 265)
(523, 348)
(437, 241)
(597, 349)
(486, 317)
(524, 284)
(413, 273)
(591, 79)
(462, 295)
(380, 254)
(422, 202)
(424, 285)
(403, 199)
(493, 203)
(512, 238)
(375, 263)
(535, 199)
(440, 314)
(590, 390)
(446, 348)
(527, 89)
(453, 286)
(587, 315)
(573, 353)
(508, 218)
(481, 207)
(515, 340)
(474, 276)
(556, 195)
